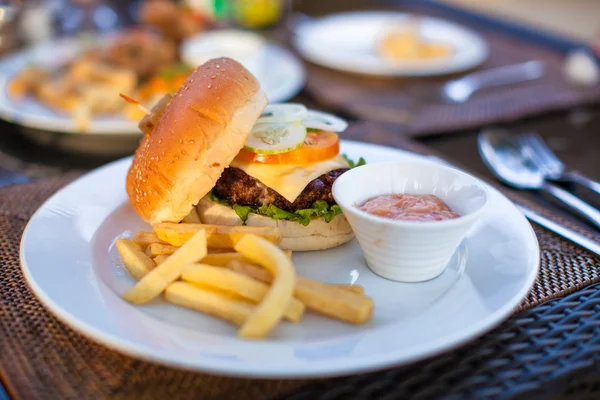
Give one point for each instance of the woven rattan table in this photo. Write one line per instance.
(549, 350)
(550, 347)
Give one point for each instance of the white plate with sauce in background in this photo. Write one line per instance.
(70, 262)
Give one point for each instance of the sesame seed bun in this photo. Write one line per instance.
(200, 132)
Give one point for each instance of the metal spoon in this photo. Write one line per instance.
(503, 155)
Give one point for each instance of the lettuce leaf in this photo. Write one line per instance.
(320, 208)
(353, 164)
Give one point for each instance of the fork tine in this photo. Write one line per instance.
(547, 157)
(530, 152)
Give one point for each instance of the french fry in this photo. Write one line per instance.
(334, 301)
(160, 249)
(331, 300)
(261, 274)
(192, 217)
(222, 259)
(352, 288)
(212, 250)
(239, 284)
(137, 263)
(221, 237)
(160, 259)
(268, 313)
(143, 239)
(156, 281)
(209, 302)
(254, 271)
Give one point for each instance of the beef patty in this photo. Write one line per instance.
(237, 187)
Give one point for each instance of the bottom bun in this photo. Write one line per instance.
(318, 235)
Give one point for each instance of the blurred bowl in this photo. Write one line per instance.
(247, 48)
(409, 251)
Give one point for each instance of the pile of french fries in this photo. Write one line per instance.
(236, 273)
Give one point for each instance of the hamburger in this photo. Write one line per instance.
(217, 148)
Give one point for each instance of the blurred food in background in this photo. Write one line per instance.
(69, 77)
(405, 42)
(143, 62)
(173, 21)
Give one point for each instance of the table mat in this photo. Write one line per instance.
(413, 103)
(40, 357)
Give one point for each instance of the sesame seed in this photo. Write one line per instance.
(159, 141)
(191, 142)
(209, 86)
(218, 66)
(177, 157)
(196, 158)
(213, 77)
(180, 140)
(223, 70)
(183, 152)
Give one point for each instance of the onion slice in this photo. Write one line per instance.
(288, 112)
(275, 138)
(324, 121)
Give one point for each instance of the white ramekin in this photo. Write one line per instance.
(409, 251)
(245, 47)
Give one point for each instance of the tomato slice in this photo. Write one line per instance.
(318, 146)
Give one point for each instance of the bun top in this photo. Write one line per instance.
(202, 129)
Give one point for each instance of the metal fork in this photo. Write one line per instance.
(552, 168)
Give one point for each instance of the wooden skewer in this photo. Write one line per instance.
(135, 102)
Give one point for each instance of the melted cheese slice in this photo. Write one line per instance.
(289, 180)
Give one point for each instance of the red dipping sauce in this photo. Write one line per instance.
(409, 207)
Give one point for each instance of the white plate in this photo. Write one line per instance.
(347, 41)
(280, 83)
(69, 261)
(285, 75)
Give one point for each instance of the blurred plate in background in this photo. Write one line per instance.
(115, 133)
(349, 41)
(32, 114)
